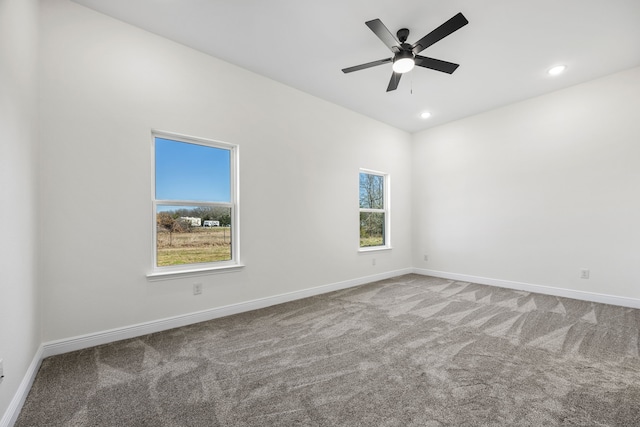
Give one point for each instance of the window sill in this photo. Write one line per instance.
(173, 274)
(374, 249)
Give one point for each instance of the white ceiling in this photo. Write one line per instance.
(504, 51)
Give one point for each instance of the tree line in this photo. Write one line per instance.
(205, 213)
(171, 221)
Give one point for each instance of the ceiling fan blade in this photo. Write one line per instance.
(367, 65)
(384, 34)
(436, 64)
(453, 24)
(393, 83)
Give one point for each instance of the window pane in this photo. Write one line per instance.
(192, 234)
(371, 229)
(371, 191)
(192, 172)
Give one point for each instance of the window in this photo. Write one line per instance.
(374, 210)
(195, 212)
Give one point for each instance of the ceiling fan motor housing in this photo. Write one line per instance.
(403, 54)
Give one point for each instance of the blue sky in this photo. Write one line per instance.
(192, 172)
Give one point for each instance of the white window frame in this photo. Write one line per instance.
(167, 272)
(386, 200)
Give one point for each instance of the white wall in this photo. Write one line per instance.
(104, 86)
(19, 319)
(536, 191)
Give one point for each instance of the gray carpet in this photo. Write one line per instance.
(409, 351)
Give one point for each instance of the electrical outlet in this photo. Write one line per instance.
(584, 273)
(426, 258)
(373, 261)
(1, 371)
(197, 288)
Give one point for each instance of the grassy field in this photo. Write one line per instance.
(209, 244)
(201, 244)
(366, 241)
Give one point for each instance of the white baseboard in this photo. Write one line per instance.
(540, 289)
(66, 345)
(11, 414)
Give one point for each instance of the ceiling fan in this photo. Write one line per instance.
(406, 55)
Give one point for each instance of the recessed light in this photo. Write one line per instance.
(558, 69)
(425, 114)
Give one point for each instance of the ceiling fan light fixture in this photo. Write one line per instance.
(403, 62)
